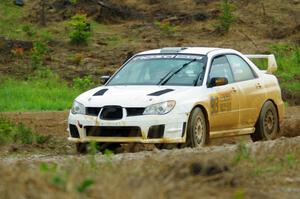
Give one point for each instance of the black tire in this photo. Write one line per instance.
(81, 148)
(197, 130)
(267, 125)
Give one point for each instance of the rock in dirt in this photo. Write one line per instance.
(208, 169)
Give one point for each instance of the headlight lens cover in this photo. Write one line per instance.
(77, 108)
(160, 108)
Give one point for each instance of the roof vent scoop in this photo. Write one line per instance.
(172, 49)
(100, 92)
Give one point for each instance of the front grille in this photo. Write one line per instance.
(134, 111)
(111, 113)
(156, 131)
(73, 131)
(93, 111)
(113, 131)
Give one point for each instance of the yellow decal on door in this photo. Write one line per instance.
(220, 102)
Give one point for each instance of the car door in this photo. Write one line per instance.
(250, 89)
(224, 100)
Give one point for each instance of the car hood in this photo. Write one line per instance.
(131, 96)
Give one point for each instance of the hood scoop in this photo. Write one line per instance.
(161, 92)
(100, 92)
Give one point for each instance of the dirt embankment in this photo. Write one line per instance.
(260, 170)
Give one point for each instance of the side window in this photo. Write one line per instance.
(241, 70)
(221, 68)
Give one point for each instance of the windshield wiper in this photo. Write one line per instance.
(167, 77)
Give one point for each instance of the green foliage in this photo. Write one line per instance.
(12, 133)
(290, 160)
(287, 162)
(79, 29)
(270, 169)
(288, 61)
(73, 2)
(7, 131)
(44, 91)
(242, 153)
(84, 83)
(55, 176)
(239, 194)
(76, 58)
(60, 178)
(25, 135)
(82, 187)
(107, 156)
(29, 30)
(38, 53)
(92, 150)
(165, 27)
(226, 18)
(9, 16)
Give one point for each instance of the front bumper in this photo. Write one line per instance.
(174, 128)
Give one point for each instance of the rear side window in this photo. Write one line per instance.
(240, 68)
(221, 68)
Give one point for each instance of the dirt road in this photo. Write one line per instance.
(55, 123)
(231, 168)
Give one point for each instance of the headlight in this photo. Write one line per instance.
(160, 108)
(78, 108)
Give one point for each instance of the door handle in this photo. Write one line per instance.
(233, 89)
(258, 85)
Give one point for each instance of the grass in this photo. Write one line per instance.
(18, 133)
(36, 94)
(288, 61)
(12, 24)
(10, 17)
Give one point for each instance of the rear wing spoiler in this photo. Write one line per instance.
(272, 65)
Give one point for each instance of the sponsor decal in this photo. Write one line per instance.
(220, 102)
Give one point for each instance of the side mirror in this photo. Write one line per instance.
(104, 78)
(218, 81)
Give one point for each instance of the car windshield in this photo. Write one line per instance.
(178, 70)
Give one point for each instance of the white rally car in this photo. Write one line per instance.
(182, 96)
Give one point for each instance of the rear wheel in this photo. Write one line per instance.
(267, 126)
(197, 132)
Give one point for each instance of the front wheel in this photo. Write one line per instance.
(81, 148)
(84, 148)
(267, 126)
(197, 130)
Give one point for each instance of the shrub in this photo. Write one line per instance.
(82, 187)
(79, 29)
(83, 83)
(226, 18)
(29, 30)
(76, 58)
(73, 2)
(165, 27)
(12, 133)
(38, 53)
